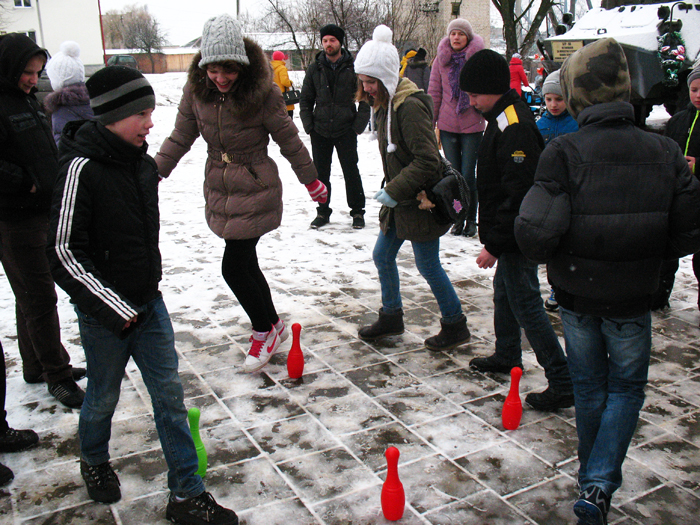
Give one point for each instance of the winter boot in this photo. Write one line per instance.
(458, 228)
(450, 336)
(386, 325)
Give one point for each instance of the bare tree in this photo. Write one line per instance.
(142, 31)
(519, 19)
(112, 28)
(134, 28)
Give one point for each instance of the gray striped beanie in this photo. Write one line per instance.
(118, 92)
(222, 41)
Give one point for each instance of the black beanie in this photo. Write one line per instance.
(118, 92)
(333, 30)
(485, 73)
(420, 55)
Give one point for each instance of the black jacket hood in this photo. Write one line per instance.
(15, 51)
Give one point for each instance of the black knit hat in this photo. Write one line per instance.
(420, 55)
(333, 30)
(118, 92)
(485, 73)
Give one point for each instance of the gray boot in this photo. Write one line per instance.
(451, 335)
(386, 325)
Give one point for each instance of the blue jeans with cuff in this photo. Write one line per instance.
(152, 345)
(427, 255)
(609, 363)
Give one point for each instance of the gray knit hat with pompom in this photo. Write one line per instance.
(222, 41)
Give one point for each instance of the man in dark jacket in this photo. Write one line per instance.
(506, 164)
(330, 117)
(28, 168)
(609, 203)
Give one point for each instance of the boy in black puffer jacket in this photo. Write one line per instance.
(103, 248)
(609, 203)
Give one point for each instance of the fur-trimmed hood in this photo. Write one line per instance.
(73, 95)
(248, 94)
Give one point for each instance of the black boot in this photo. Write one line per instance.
(387, 324)
(450, 336)
(458, 228)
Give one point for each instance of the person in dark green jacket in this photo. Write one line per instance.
(411, 162)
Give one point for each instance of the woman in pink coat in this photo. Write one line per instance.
(459, 125)
(518, 78)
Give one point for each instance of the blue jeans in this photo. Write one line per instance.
(609, 362)
(427, 255)
(152, 345)
(518, 303)
(461, 149)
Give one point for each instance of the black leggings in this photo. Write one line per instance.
(243, 275)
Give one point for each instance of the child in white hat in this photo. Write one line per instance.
(69, 100)
(402, 116)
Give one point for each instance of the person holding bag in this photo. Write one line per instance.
(402, 115)
(281, 77)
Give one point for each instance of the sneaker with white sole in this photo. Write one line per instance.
(263, 347)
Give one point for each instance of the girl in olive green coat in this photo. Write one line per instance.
(403, 118)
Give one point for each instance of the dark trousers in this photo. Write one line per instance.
(3, 392)
(667, 278)
(242, 273)
(23, 245)
(346, 148)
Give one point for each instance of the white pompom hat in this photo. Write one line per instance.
(379, 59)
(65, 67)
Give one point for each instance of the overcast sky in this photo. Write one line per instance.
(183, 20)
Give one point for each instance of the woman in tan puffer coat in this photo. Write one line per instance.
(231, 101)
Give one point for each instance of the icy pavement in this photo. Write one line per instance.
(312, 451)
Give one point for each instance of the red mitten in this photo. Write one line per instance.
(318, 191)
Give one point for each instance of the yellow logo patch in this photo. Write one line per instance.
(518, 156)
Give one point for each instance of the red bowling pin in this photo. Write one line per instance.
(295, 358)
(513, 406)
(393, 498)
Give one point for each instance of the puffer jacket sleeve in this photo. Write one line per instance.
(545, 213)
(182, 137)
(361, 117)
(283, 131)
(684, 216)
(307, 99)
(435, 90)
(68, 253)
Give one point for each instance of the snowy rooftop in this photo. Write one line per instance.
(284, 452)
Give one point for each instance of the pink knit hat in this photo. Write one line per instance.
(278, 55)
(461, 24)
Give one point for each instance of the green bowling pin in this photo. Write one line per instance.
(193, 418)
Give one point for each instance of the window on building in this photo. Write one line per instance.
(23, 3)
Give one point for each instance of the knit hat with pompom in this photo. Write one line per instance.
(379, 59)
(65, 67)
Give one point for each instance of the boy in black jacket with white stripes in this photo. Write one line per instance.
(103, 249)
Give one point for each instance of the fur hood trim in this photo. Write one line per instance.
(73, 95)
(248, 94)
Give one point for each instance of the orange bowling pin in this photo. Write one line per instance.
(393, 498)
(295, 358)
(513, 406)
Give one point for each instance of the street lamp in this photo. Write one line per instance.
(456, 6)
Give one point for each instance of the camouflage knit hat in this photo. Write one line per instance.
(595, 74)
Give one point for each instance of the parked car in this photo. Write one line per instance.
(122, 60)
